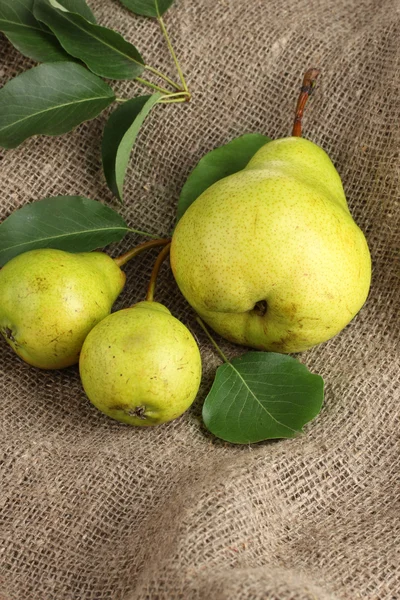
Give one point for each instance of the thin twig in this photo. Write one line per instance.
(177, 97)
(173, 101)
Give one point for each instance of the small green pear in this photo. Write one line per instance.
(270, 257)
(141, 366)
(51, 299)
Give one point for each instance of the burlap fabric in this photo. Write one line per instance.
(94, 510)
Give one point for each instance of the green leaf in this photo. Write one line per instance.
(217, 164)
(147, 8)
(50, 99)
(262, 396)
(104, 51)
(32, 38)
(119, 137)
(69, 223)
(29, 36)
(80, 8)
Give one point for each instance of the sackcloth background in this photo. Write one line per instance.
(94, 510)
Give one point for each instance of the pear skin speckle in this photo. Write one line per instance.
(279, 235)
(51, 299)
(141, 366)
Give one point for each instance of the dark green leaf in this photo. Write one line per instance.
(50, 99)
(69, 223)
(80, 8)
(147, 8)
(262, 396)
(119, 137)
(217, 164)
(103, 50)
(29, 36)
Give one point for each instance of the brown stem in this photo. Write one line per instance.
(309, 81)
(153, 279)
(123, 259)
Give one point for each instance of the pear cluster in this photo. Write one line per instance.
(270, 257)
(140, 365)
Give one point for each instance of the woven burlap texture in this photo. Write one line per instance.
(95, 510)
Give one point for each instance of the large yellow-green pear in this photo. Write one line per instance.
(270, 257)
(51, 299)
(141, 366)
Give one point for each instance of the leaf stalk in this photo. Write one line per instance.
(152, 85)
(172, 51)
(162, 76)
(214, 343)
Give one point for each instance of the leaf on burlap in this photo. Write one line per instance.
(217, 164)
(148, 8)
(79, 7)
(50, 99)
(104, 51)
(262, 396)
(119, 138)
(70, 223)
(30, 37)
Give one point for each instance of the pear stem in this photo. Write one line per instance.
(214, 343)
(309, 81)
(124, 258)
(153, 279)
